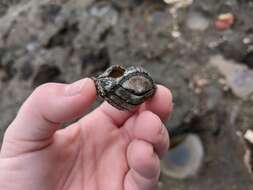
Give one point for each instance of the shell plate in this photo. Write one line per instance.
(125, 88)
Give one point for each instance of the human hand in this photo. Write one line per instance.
(106, 149)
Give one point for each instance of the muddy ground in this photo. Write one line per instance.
(208, 70)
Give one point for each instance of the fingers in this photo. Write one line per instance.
(144, 166)
(160, 103)
(148, 126)
(50, 105)
(150, 141)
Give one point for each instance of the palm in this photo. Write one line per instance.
(100, 143)
(105, 152)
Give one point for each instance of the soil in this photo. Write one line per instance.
(65, 40)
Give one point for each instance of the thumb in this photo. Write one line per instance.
(48, 106)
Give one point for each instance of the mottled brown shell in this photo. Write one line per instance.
(125, 88)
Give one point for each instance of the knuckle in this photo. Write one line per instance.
(152, 116)
(38, 94)
(155, 125)
(43, 88)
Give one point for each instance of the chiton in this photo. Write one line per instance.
(125, 88)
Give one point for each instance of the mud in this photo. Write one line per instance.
(65, 40)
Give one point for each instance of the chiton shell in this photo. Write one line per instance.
(125, 88)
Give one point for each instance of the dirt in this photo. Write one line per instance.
(65, 40)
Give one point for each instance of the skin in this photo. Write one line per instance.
(106, 149)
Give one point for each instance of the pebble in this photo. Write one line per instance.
(224, 21)
(179, 3)
(32, 46)
(196, 21)
(238, 76)
(246, 40)
(175, 34)
(106, 11)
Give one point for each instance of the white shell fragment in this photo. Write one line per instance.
(249, 135)
(179, 3)
(184, 160)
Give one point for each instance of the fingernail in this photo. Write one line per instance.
(76, 87)
(165, 130)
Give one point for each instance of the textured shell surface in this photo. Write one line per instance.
(125, 88)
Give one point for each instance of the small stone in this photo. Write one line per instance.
(224, 21)
(196, 21)
(106, 11)
(171, 1)
(179, 3)
(202, 82)
(246, 40)
(32, 46)
(197, 90)
(222, 81)
(225, 88)
(175, 34)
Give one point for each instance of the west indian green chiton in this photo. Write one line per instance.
(125, 88)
